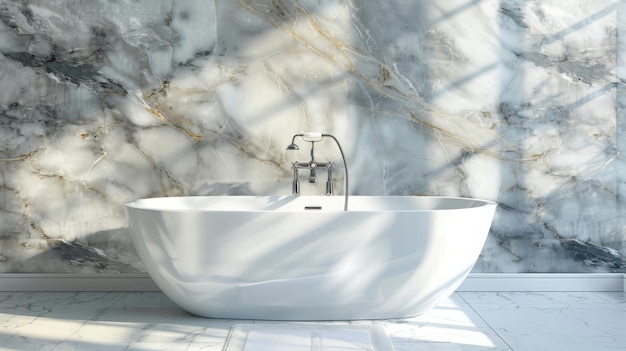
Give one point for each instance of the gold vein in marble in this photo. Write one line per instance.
(386, 83)
(17, 159)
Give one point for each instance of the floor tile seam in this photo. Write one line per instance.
(485, 321)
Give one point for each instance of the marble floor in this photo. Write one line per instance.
(465, 321)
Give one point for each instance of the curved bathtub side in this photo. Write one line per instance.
(309, 265)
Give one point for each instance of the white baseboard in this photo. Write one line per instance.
(544, 282)
(474, 282)
(76, 282)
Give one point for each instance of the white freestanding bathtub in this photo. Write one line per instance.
(304, 258)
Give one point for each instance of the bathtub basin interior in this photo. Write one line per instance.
(304, 258)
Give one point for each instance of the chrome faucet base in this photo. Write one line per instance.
(313, 165)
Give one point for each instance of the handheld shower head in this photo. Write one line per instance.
(293, 146)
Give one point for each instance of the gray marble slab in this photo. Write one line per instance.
(520, 102)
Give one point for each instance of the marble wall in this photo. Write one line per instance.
(518, 101)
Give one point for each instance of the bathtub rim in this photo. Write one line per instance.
(480, 203)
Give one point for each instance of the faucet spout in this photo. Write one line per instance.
(312, 175)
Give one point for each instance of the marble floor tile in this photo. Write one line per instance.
(465, 321)
(452, 325)
(554, 320)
